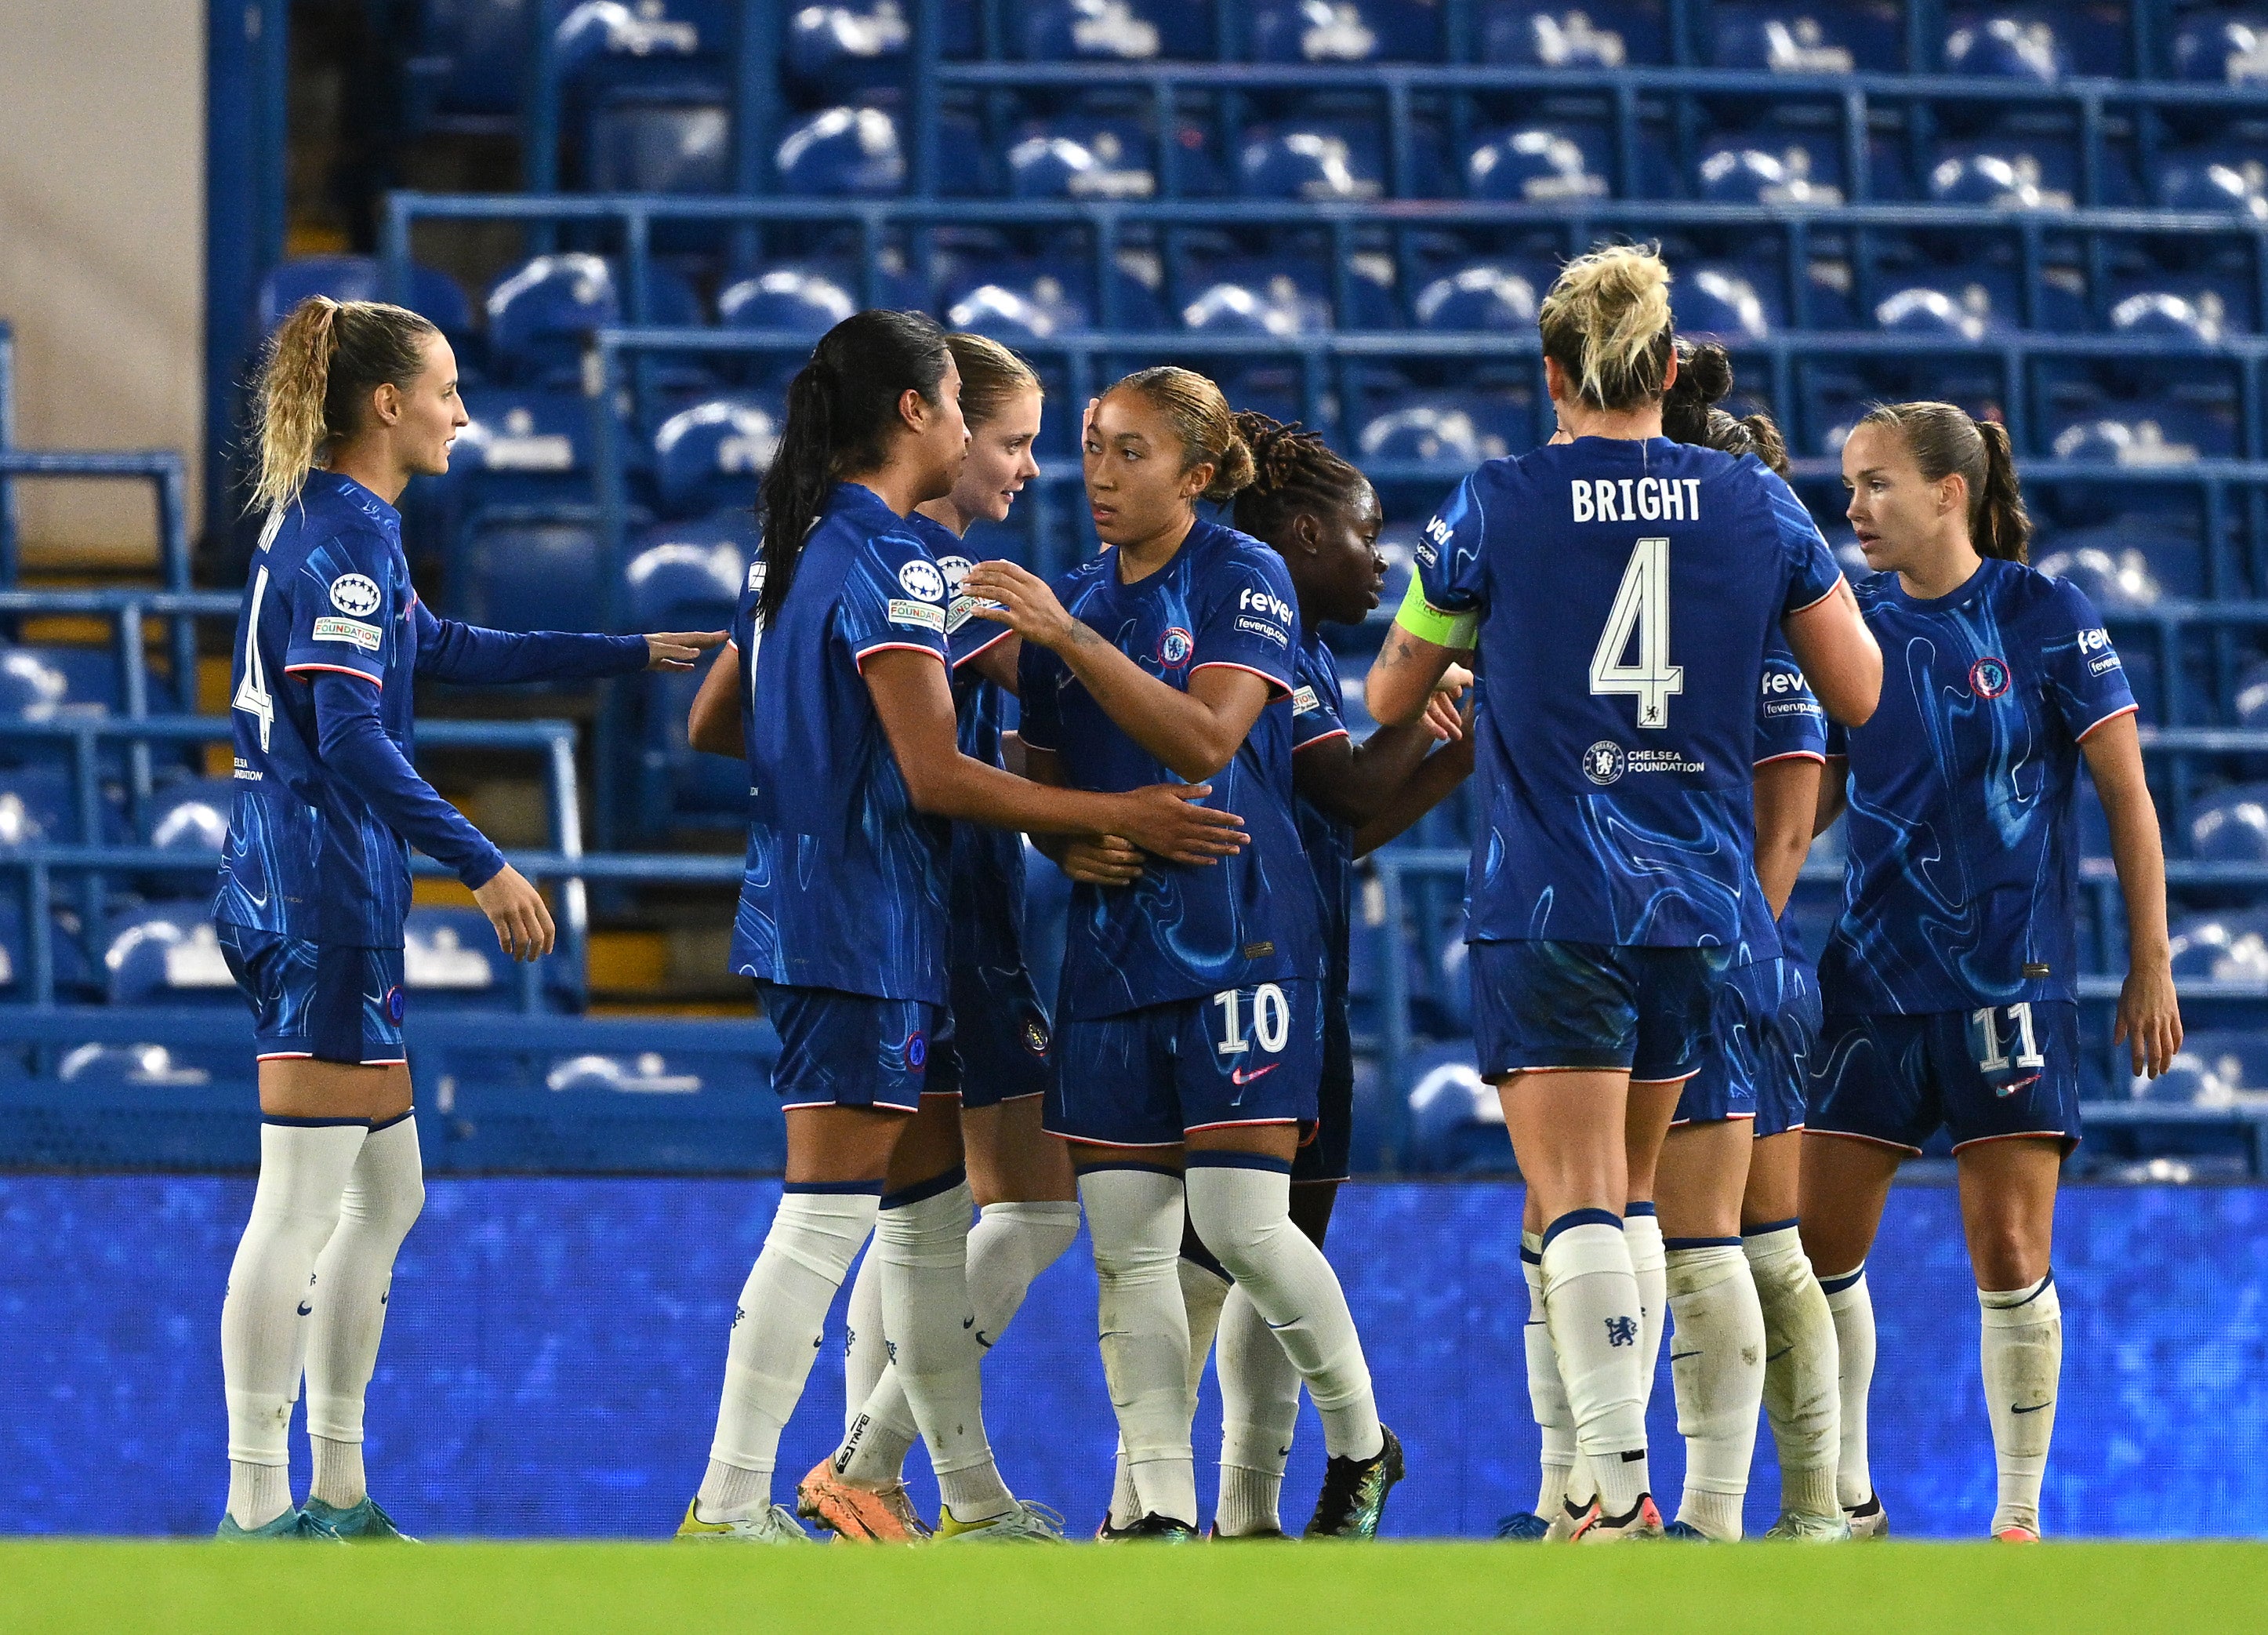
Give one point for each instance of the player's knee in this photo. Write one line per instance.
(2004, 1256)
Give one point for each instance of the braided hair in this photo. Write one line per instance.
(1293, 471)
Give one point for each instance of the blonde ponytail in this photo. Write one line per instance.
(1605, 321)
(323, 363)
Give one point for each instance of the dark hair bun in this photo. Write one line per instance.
(1704, 369)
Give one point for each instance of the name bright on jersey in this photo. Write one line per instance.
(1636, 499)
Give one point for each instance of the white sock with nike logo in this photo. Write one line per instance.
(354, 1280)
(2022, 1346)
(936, 1350)
(1259, 1409)
(1717, 1369)
(1134, 1215)
(1009, 1246)
(1241, 1204)
(303, 1166)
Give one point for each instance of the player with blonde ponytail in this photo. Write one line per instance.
(356, 399)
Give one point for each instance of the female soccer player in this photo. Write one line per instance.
(1321, 516)
(357, 398)
(1948, 982)
(1621, 586)
(844, 919)
(1190, 1022)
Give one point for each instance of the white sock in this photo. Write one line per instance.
(1591, 1301)
(1205, 1290)
(303, 1173)
(1011, 1245)
(1134, 1216)
(354, 1277)
(2021, 1349)
(1547, 1397)
(1717, 1369)
(1259, 1408)
(866, 1349)
(1853, 1311)
(937, 1352)
(1801, 1394)
(777, 1329)
(1650, 1265)
(1242, 1207)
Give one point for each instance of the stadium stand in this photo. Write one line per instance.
(1346, 211)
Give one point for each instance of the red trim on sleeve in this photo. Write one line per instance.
(2107, 720)
(864, 653)
(1281, 690)
(1790, 612)
(1006, 630)
(1793, 754)
(1321, 738)
(336, 669)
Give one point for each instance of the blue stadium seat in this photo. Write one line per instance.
(1539, 165)
(138, 1066)
(646, 147)
(2124, 440)
(2006, 44)
(2193, 316)
(809, 300)
(836, 53)
(1949, 308)
(2221, 947)
(1344, 31)
(1809, 36)
(1082, 159)
(1259, 298)
(1061, 31)
(530, 574)
(1456, 1120)
(843, 152)
(712, 454)
(36, 809)
(1313, 161)
(608, 43)
(1443, 428)
(167, 954)
(525, 447)
(1019, 305)
(432, 294)
(2192, 1078)
(540, 313)
(1766, 169)
(2221, 48)
(449, 961)
(190, 817)
(1575, 33)
(1722, 301)
(2002, 175)
(1492, 294)
(647, 1072)
(2116, 583)
(2217, 181)
(2230, 826)
(687, 575)
(32, 685)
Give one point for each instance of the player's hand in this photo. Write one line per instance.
(1441, 717)
(517, 911)
(1020, 600)
(678, 650)
(1104, 860)
(1165, 819)
(2149, 1017)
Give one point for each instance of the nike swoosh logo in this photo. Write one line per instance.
(1282, 1453)
(1678, 1357)
(968, 1322)
(1278, 1327)
(306, 1310)
(1776, 1355)
(2033, 1408)
(1239, 1076)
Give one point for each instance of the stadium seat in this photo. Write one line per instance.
(1955, 312)
(1809, 36)
(643, 147)
(1344, 31)
(2121, 441)
(2238, 1060)
(1764, 171)
(687, 575)
(475, 55)
(1313, 160)
(810, 300)
(1538, 165)
(140, 1066)
(839, 52)
(449, 961)
(32, 685)
(2223, 50)
(1082, 159)
(2221, 949)
(2184, 317)
(1136, 31)
(167, 954)
(2000, 176)
(1482, 295)
(2001, 45)
(644, 1073)
(433, 294)
(529, 573)
(1456, 1121)
(2230, 826)
(2214, 180)
(1720, 301)
(1258, 299)
(1016, 307)
(525, 447)
(712, 454)
(1432, 429)
(540, 314)
(190, 818)
(2115, 584)
(597, 35)
(2191, 1080)
(843, 152)
(1574, 33)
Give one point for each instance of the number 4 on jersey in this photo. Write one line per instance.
(252, 694)
(1643, 603)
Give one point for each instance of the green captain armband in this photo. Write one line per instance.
(1429, 624)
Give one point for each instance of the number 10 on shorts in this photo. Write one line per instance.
(1271, 1020)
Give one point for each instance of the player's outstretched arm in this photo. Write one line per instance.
(1839, 655)
(915, 705)
(713, 724)
(1195, 733)
(450, 651)
(2149, 1014)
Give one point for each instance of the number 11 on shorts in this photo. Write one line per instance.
(1993, 1057)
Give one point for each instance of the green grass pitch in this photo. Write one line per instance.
(1438, 1589)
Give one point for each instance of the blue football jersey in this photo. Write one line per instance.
(1318, 714)
(1181, 932)
(329, 590)
(985, 885)
(845, 884)
(1625, 590)
(1790, 726)
(1960, 886)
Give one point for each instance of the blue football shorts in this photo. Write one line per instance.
(1784, 1087)
(318, 1001)
(1541, 1006)
(996, 1040)
(1990, 1074)
(849, 1050)
(1147, 1077)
